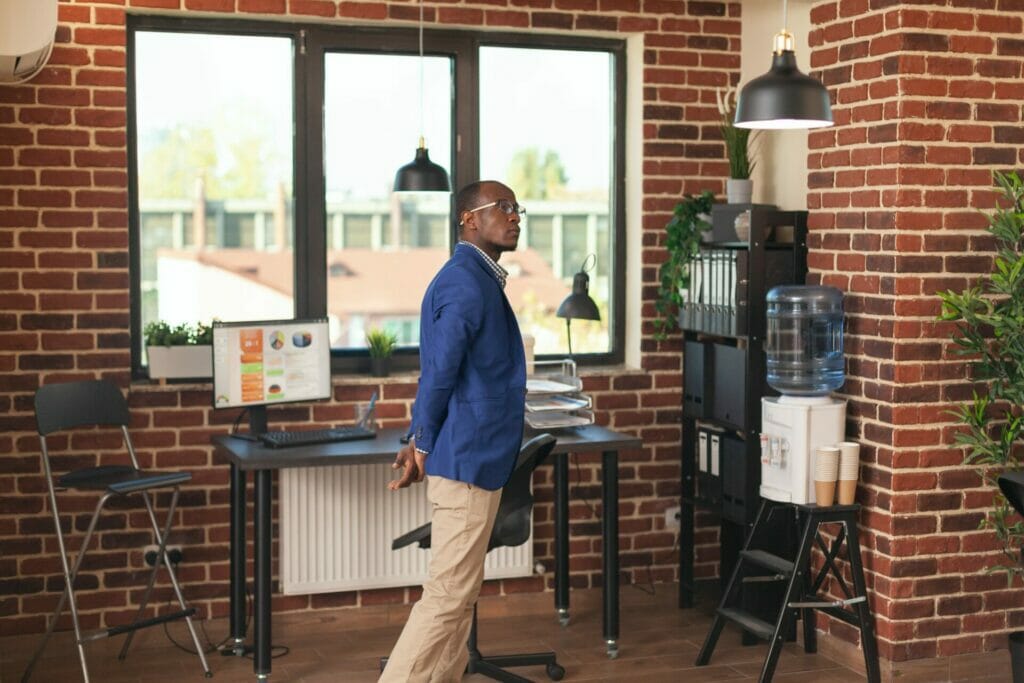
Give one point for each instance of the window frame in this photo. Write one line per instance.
(311, 44)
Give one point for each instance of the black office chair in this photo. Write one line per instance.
(92, 403)
(512, 526)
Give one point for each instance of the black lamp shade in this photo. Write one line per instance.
(1012, 486)
(422, 175)
(579, 305)
(783, 98)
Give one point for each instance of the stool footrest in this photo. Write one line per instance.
(821, 604)
(152, 621)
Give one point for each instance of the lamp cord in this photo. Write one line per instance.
(422, 142)
(568, 334)
(785, 15)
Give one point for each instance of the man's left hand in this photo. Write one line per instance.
(412, 464)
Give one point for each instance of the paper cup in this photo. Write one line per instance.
(847, 491)
(849, 460)
(826, 463)
(824, 492)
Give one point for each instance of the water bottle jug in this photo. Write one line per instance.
(804, 343)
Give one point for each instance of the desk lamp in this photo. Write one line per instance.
(578, 304)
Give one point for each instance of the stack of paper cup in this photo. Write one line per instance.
(826, 470)
(849, 467)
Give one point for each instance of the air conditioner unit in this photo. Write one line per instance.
(27, 29)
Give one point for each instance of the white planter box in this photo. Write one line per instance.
(180, 362)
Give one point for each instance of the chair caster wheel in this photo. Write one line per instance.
(555, 672)
(613, 649)
(563, 617)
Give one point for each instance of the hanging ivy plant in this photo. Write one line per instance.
(683, 236)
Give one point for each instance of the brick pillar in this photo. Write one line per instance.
(927, 104)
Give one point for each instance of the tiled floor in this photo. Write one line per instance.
(659, 642)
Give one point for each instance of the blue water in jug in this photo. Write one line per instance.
(804, 343)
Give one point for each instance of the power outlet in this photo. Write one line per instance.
(173, 551)
(672, 517)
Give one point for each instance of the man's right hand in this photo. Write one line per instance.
(412, 464)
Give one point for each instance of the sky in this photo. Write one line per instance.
(372, 104)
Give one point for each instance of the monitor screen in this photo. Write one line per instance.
(270, 361)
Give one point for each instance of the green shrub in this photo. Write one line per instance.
(990, 336)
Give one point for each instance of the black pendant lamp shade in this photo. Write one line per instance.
(783, 98)
(422, 174)
(579, 305)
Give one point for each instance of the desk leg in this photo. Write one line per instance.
(562, 538)
(261, 608)
(237, 647)
(610, 547)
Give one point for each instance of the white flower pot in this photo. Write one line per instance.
(739, 191)
(180, 362)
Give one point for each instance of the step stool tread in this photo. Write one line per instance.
(769, 561)
(760, 628)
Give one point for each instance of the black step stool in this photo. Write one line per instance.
(801, 593)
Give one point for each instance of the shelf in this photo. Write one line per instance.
(736, 246)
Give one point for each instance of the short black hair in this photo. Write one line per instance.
(469, 197)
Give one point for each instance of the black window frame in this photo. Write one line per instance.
(311, 43)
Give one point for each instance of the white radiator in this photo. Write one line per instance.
(337, 524)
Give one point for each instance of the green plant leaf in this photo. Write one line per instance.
(682, 241)
(990, 332)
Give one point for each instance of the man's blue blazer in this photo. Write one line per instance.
(468, 414)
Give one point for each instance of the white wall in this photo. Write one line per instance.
(780, 174)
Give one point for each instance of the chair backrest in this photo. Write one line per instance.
(72, 404)
(512, 522)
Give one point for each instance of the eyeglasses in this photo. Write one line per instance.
(504, 205)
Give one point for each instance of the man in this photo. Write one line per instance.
(467, 427)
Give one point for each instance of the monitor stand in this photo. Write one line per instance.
(258, 420)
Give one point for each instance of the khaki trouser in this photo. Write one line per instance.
(432, 647)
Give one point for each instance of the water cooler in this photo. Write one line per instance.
(804, 347)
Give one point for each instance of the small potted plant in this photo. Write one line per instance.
(990, 334)
(179, 351)
(381, 344)
(739, 188)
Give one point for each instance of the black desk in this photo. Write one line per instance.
(247, 455)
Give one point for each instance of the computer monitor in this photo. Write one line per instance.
(261, 363)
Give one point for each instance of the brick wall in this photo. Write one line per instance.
(928, 103)
(65, 303)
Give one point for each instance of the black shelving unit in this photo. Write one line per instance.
(723, 321)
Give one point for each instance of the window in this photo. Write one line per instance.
(209, 164)
(542, 113)
(262, 158)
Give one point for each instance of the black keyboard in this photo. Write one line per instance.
(307, 437)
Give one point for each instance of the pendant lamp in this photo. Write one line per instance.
(783, 98)
(422, 174)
